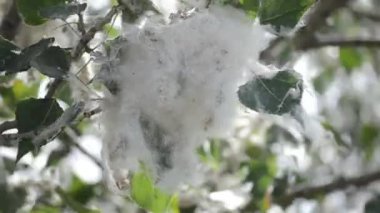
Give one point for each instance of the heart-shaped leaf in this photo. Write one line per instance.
(33, 114)
(53, 62)
(277, 95)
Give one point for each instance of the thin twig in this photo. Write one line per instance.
(70, 132)
(90, 34)
(312, 192)
(82, 45)
(315, 20)
(85, 152)
(90, 113)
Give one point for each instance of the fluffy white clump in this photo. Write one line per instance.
(175, 87)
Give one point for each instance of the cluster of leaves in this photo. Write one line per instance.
(33, 115)
(44, 115)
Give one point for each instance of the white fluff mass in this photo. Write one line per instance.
(177, 86)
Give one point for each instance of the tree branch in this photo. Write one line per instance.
(4, 139)
(367, 15)
(53, 87)
(312, 192)
(315, 20)
(344, 43)
(304, 36)
(7, 125)
(81, 26)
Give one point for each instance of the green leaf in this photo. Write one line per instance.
(277, 95)
(36, 113)
(350, 58)
(65, 94)
(114, 2)
(62, 11)
(250, 6)
(368, 135)
(33, 114)
(142, 190)
(72, 203)
(53, 62)
(18, 91)
(46, 209)
(30, 10)
(21, 62)
(7, 50)
(11, 198)
(25, 146)
(282, 13)
(164, 203)
(111, 31)
(211, 153)
(373, 205)
(81, 191)
(147, 196)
